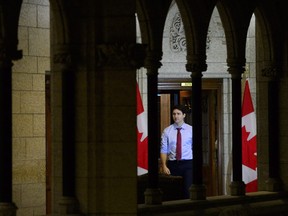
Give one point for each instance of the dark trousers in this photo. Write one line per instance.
(182, 168)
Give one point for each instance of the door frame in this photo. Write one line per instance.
(182, 84)
(48, 142)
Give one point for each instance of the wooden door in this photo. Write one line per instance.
(209, 142)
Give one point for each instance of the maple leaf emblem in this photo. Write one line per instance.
(249, 150)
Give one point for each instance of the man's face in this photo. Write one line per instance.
(178, 116)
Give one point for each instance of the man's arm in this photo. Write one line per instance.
(164, 168)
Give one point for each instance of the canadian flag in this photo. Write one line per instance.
(142, 136)
(249, 144)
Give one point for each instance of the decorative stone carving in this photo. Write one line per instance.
(62, 58)
(208, 40)
(269, 72)
(63, 61)
(120, 55)
(177, 34)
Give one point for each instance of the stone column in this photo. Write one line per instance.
(153, 194)
(197, 189)
(236, 68)
(273, 182)
(9, 15)
(7, 207)
(68, 204)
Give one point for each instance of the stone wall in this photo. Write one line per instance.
(28, 80)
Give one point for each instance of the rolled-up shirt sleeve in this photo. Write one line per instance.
(164, 143)
(168, 142)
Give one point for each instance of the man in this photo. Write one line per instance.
(176, 159)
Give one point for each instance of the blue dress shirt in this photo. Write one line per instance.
(169, 138)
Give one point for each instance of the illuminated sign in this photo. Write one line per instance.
(186, 84)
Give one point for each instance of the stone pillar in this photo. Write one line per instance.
(236, 68)
(68, 204)
(117, 107)
(7, 207)
(198, 189)
(153, 194)
(9, 15)
(273, 182)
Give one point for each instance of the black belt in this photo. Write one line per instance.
(179, 161)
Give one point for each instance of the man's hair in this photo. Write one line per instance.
(180, 107)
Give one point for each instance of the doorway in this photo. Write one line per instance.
(173, 92)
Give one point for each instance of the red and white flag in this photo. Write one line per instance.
(142, 136)
(249, 144)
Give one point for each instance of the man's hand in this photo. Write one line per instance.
(165, 170)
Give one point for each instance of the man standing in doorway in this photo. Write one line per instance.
(176, 148)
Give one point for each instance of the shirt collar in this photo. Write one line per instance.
(183, 126)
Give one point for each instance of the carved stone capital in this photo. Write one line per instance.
(196, 63)
(236, 71)
(9, 47)
(5, 59)
(64, 58)
(196, 69)
(270, 72)
(120, 55)
(153, 62)
(236, 67)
